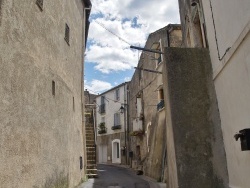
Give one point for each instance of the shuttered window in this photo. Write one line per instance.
(117, 119)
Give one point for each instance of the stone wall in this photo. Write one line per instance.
(40, 126)
(195, 148)
(144, 84)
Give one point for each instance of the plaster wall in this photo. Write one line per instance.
(231, 78)
(194, 150)
(41, 133)
(107, 140)
(111, 107)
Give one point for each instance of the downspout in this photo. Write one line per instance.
(125, 121)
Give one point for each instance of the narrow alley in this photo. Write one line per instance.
(114, 176)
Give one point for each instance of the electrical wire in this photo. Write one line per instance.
(120, 38)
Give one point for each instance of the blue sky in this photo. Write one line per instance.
(108, 60)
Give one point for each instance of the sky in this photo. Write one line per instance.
(114, 26)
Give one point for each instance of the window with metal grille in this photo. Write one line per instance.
(66, 38)
(40, 4)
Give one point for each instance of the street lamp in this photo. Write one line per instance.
(122, 109)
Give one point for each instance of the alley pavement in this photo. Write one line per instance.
(116, 176)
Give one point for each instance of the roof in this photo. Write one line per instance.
(113, 88)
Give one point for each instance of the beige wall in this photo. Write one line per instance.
(231, 78)
(41, 134)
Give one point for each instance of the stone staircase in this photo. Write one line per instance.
(91, 170)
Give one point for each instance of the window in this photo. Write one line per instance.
(161, 104)
(102, 106)
(66, 38)
(158, 57)
(117, 119)
(117, 94)
(40, 4)
(81, 163)
(53, 88)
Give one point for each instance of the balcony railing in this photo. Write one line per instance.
(116, 127)
(102, 108)
(102, 131)
(160, 105)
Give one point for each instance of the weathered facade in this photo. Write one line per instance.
(41, 70)
(111, 124)
(147, 128)
(224, 27)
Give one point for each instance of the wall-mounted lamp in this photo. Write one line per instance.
(122, 109)
(194, 2)
(244, 136)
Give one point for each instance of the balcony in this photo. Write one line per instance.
(102, 109)
(116, 127)
(137, 124)
(102, 131)
(160, 105)
(137, 133)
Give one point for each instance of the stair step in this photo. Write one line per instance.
(92, 175)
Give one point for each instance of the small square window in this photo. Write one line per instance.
(67, 33)
(40, 4)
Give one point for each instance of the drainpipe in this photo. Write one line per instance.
(125, 122)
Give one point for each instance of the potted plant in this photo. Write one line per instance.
(102, 128)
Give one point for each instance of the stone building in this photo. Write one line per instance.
(41, 68)
(111, 123)
(223, 28)
(147, 128)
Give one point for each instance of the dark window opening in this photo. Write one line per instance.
(40, 4)
(161, 104)
(53, 88)
(66, 38)
(118, 149)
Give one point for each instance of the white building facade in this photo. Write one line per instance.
(111, 125)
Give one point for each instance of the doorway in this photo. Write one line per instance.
(102, 153)
(116, 151)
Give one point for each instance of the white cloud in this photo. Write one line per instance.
(110, 53)
(97, 86)
(127, 79)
